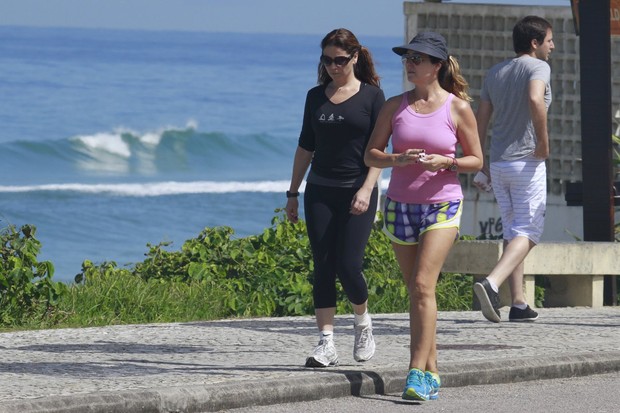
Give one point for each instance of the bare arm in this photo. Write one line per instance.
(300, 166)
(468, 136)
(538, 110)
(483, 118)
(361, 199)
(375, 155)
(371, 179)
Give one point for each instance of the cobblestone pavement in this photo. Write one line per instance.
(200, 366)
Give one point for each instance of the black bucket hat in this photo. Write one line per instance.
(430, 43)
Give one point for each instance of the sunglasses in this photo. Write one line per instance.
(416, 59)
(338, 60)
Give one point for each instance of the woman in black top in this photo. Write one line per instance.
(341, 195)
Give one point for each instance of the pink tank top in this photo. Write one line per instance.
(435, 132)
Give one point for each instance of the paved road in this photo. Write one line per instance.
(210, 366)
(598, 393)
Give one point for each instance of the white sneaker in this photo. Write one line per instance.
(323, 355)
(364, 347)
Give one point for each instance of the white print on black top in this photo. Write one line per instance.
(331, 118)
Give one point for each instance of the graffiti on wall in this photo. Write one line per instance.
(491, 228)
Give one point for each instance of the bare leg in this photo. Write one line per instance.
(325, 318)
(431, 363)
(511, 260)
(360, 309)
(516, 285)
(420, 266)
(406, 255)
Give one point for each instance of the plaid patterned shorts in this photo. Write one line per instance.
(405, 223)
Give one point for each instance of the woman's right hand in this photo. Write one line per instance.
(292, 210)
(410, 156)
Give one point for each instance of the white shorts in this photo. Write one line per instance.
(520, 188)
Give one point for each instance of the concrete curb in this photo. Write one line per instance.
(335, 383)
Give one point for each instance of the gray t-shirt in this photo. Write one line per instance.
(506, 87)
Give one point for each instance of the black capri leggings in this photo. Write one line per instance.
(338, 240)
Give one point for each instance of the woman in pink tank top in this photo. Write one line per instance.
(424, 199)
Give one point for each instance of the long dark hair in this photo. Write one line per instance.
(344, 39)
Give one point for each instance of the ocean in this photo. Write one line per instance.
(111, 140)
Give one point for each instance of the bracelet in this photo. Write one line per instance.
(454, 165)
(290, 194)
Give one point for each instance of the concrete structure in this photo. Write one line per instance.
(575, 270)
(480, 36)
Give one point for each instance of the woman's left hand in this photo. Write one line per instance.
(434, 162)
(360, 202)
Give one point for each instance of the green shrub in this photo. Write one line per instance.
(212, 276)
(265, 274)
(26, 287)
(270, 274)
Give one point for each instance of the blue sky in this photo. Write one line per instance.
(367, 17)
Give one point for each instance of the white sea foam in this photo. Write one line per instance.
(112, 142)
(112, 152)
(108, 142)
(151, 138)
(156, 188)
(162, 188)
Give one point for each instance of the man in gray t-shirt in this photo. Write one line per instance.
(517, 93)
(506, 89)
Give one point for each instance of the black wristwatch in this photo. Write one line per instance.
(290, 194)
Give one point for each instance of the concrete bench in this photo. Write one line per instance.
(575, 270)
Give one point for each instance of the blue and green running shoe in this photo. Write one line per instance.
(434, 382)
(417, 386)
